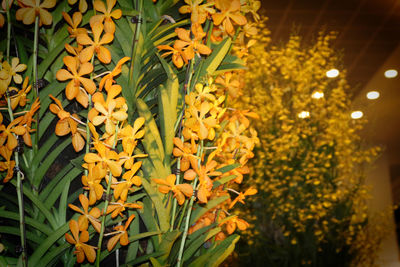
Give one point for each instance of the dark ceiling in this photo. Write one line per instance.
(369, 30)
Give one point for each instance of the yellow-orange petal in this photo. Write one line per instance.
(63, 75)
(104, 55)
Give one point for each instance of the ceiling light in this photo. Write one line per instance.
(317, 95)
(303, 114)
(332, 73)
(373, 95)
(356, 114)
(390, 73)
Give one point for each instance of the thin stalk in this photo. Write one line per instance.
(20, 195)
(35, 81)
(182, 214)
(8, 30)
(189, 212)
(178, 168)
(103, 220)
(135, 44)
(87, 120)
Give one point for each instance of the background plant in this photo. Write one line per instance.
(135, 144)
(311, 207)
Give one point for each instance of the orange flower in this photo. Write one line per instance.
(74, 23)
(27, 122)
(230, 10)
(122, 188)
(249, 192)
(7, 133)
(232, 223)
(108, 158)
(81, 249)
(199, 12)
(9, 72)
(205, 182)
(107, 15)
(178, 56)
(191, 46)
(121, 234)
(73, 87)
(186, 151)
(228, 84)
(92, 182)
(82, 5)
(32, 8)
(180, 190)
(86, 217)
(116, 208)
(20, 98)
(199, 122)
(110, 111)
(95, 45)
(109, 78)
(67, 124)
(8, 164)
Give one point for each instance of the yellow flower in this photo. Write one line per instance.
(82, 5)
(81, 249)
(32, 8)
(107, 15)
(87, 216)
(180, 190)
(230, 10)
(95, 45)
(74, 23)
(121, 234)
(199, 12)
(75, 73)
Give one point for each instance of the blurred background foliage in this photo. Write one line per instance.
(311, 209)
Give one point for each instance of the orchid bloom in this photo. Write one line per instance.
(73, 87)
(240, 198)
(20, 98)
(81, 249)
(107, 16)
(95, 45)
(32, 8)
(109, 78)
(179, 190)
(116, 208)
(186, 151)
(7, 133)
(92, 182)
(121, 234)
(229, 10)
(108, 158)
(74, 23)
(122, 188)
(87, 216)
(198, 12)
(8, 164)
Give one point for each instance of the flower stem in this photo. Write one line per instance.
(8, 30)
(189, 212)
(103, 220)
(20, 197)
(35, 81)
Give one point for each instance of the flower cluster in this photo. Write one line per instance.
(212, 136)
(106, 171)
(16, 129)
(308, 168)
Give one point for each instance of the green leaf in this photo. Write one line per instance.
(196, 244)
(16, 231)
(29, 221)
(142, 259)
(155, 262)
(45, 246)
(152, 140)
(54, 254)
(162, 214)
(223, 180)
(36, 201)
(199, 210)
(216, 57)
(168, 240)
(215, 256)
(228, 168)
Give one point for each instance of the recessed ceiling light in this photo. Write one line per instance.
(390, 73)
(303, 114)
(332, 73)
(317, 95)
(356, 114)
(373, 95)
